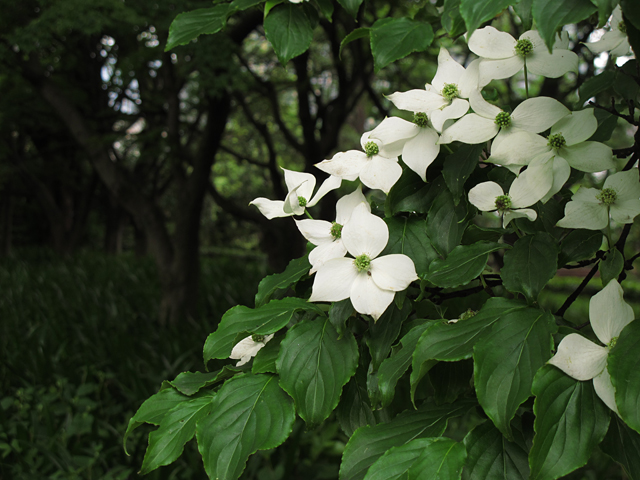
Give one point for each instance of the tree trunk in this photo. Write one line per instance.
(6, 224)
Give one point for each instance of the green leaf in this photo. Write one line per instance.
(452, 21)
(189, 383)
(458, 167)
(623, 444)
(605, 8)
(289, 29)
(451, 342)
(296, 269)
(463, 264)
(355, 35)
(354, 410)
(523, 10)
(176, 428)
(506, 360)
(394, 367)
(550, 15)
(411, 194)
(314, 365)
(579, 245)
(446, 222)
(631, 12)
(450, 380)
(351, 6)
(189, 25)
(570, 421)
(263, 320)
(339, 313)
(607, 123)
(490, 455)
(531, 263)
(240, 5)
(265, 359)
(474, 234)
(595, 85)
(369, 443)
(624, 365)
(408, 236)
(395, 38)
(326, 7)
(611, 266)
(383, 333)
(153, 410)
(625, 84)
(249, 413)
(476, 12)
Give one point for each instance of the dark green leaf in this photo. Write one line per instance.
(289, 28)
(355, 35)
(623, 444)
(296, 269)
(631, 11)
(490, 455)
(249, 413)
(523, 10)
(265, 359)
(474, 234)
(264, 320)
(607, 123)
(354, 409)
(611, 266)
(240, 5)
(176, 428)
(579, 245)
(326, 7)
(450, 380)
(443, 458)
(371, 442)
(570, 421)
(189, 383)
(594, 85)
(396, 462)
(339, 313)
(531, 263)
(408, 235)
(550, 15)
(189, 25)
(411, 194)
(605, 8)
(395, 38)
(458, 167)
(383, 333)
(463, 264)
(452, 21)
(476, 12)
(446, 222)
(314, 365)
(625, 84)
(506, 360)
(351, 6)
(624, 365)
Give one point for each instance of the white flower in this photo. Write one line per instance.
(443, 99)
(370, 281)
(248, 347)
(419, 142)
(503, 56)
(584, 360)
(300, 186)
(614, 41)
(328, 235)
(377, 166)
(590, 208)
(533, 115)
(527, 189)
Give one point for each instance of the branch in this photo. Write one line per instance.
(239, 156)
(572, 298)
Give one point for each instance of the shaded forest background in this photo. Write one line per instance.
(125, 231)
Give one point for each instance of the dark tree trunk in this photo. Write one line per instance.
(6, 224)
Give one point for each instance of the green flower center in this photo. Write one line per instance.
(556, 141)
(257, 338)
(503, 202)
(613, 342)
(503, 119)
(362, 262)
(450, 91)
(302, 201)
(420, 119)
(622, 27)
(524, 47)
(336, 230)
(607, 196)
(468, 314)
(371, 149)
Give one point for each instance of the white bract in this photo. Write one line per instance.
(248, 347)
(590, 208)
(615, 40)
(328, 235)
(368, 280)
(502, 56)
(584, 360)
(443, 98)
(377, 167)
(533, 115)
(300, 186)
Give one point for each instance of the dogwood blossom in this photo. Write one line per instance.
(590, 208)
(583, 359)
(328, 235)
(377, 166)
(300, 186)
(248, 347)
(368, 280)
(614, 41)
(502, 56)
